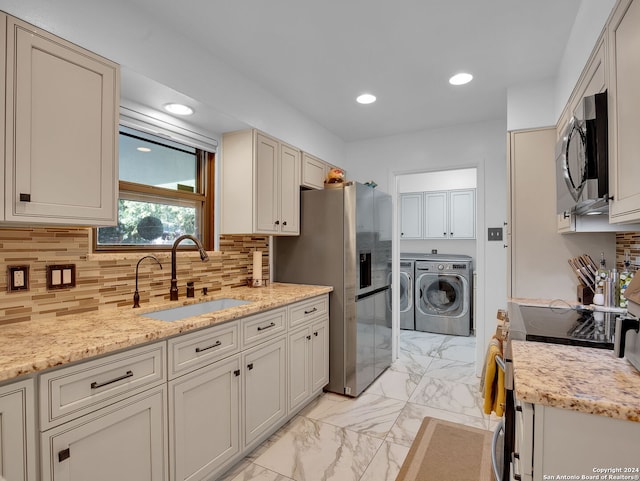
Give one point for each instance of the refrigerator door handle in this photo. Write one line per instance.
(371, 293)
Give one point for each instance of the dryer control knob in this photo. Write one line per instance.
(440, 267)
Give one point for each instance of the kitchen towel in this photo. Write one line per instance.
(492, 380)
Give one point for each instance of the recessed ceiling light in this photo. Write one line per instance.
(461, 79)
(178, 109)
(366, 99)
(144, 149)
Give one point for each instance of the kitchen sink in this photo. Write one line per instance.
(182, 312)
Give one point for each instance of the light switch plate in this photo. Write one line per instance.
(18, 278)
(61, 276)
(495, 234)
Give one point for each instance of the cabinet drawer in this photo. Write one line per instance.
(197, 349)
(77, 390)
(304, 311)
(260, 327)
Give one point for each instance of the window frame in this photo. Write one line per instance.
(205, 182)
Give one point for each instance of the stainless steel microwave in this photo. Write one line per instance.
(582, 165)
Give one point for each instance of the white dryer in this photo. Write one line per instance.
(443, 293)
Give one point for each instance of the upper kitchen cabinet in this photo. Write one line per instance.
(314, 171)
(411, 215)
(447, 214)
(60, 151)
(450, 214)
(624, 103)
(260, 185)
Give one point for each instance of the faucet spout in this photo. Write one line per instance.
(173, 291)
(136, 294)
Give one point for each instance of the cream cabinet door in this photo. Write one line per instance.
(265, 384)
(435, 215)
(204, 428)
(319, 355)
(462, 215)
(126, 441)
(624, 104)
(314, 171)
(61, 134)
(3, 53)
(266, 180)
(299, 367)
(17, 432)
(289, 190)
(411, 216)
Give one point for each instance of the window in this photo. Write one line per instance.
(166, 190)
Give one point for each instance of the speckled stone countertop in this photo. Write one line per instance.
(33, 346)
(584, 379)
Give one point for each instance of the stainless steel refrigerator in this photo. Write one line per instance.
(345, 242)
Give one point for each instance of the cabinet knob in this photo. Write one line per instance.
(308, 338)
(315, 333)
(284, 223)
(277, 222)
(250, 366)
(25, 197)
(236, 372)
(64, 454)
(444, 234)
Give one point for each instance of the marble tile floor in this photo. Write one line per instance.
(337, 438)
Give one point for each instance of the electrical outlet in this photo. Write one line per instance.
(495, 234)
(18, 278)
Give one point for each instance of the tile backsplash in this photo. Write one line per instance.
(107, 281)
(627, 241)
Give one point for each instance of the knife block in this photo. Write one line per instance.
(584, 294)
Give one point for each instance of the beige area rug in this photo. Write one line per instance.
(446, 451)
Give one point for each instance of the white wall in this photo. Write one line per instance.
(531, 105)
(481, 145)
(540, 103)
(119, 25)
(591, 19)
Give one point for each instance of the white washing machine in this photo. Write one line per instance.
(443, 294)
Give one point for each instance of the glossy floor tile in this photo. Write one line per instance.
(338, 438)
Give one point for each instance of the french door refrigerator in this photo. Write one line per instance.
(345, 242)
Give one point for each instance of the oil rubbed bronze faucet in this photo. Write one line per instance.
(173, 291)
(136, 296)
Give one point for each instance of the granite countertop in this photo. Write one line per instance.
(584, 379)
(33, 346)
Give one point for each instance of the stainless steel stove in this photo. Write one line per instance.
(563, 325)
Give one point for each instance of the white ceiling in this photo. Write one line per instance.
(318, 55)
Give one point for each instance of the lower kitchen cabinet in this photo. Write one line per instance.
(265, 385)
(17, 432)
(125, 441)
(204, 419)
(308, 362)
(185, 409)
(561, 442)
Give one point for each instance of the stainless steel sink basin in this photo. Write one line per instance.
(182, 312)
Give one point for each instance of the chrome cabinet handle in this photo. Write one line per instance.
(95, 385)
(311, 311)
(201, 349)
(261, 328)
